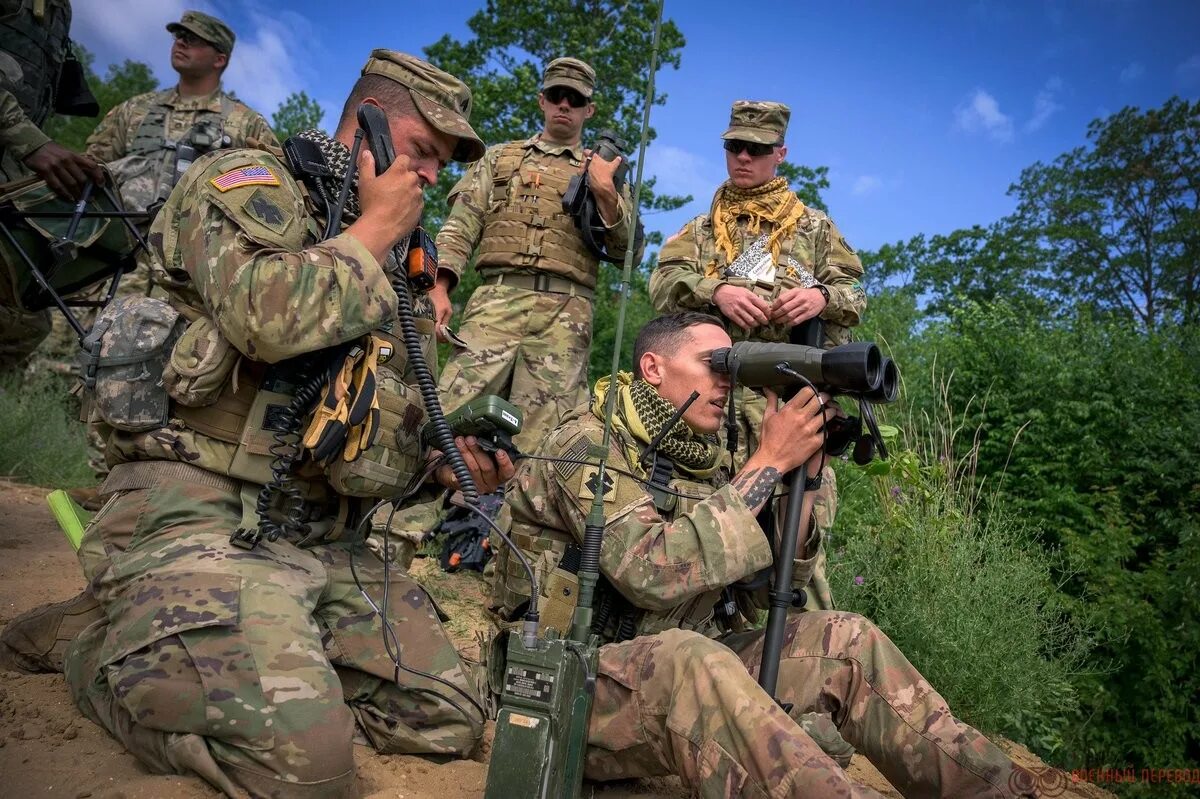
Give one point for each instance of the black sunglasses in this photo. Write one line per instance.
(756, 150)
(190, 39)
(555, 95)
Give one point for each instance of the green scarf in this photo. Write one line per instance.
(641, 413)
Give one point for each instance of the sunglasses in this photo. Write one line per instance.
(555, 95)
(190, 39)
(756, 150)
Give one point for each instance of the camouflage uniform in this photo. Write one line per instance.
(528, 328)
(32, 50)
(681, 697)
(691, 268)
(253, 668)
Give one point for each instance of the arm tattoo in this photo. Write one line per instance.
(756, 485)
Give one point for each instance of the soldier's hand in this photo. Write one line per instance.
(489, 472)
(797, 305)
(791, 433)
(391, 203)
(600, 174)
(439, 295)
(741, 306)
(65, 172)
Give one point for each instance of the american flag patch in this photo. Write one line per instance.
(245, 176)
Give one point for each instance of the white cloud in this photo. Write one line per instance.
(1188, 72)
(866, 184)
(980, 113)
(1132, 72)
(679, 171)
(1045, 104)
(262, 71)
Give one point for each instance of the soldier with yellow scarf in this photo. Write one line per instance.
(763, 262)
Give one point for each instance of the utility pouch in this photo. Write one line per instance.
(123, 360)
(200, 364)
(385, 468)
(559, 597)
(266, 419)
(73, 97)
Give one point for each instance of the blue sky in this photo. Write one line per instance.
(925, 112)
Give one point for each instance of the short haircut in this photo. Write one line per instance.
(664, 334)
(392, 96)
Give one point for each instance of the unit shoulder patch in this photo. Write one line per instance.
(263, 208)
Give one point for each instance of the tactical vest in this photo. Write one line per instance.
(546, 548)
(795, 268)
(39, 46)
(525, 227)
(147, 172)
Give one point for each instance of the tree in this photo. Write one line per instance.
(298, 112)
(1120, 221)
(512, 41)
(808, 182)
(121, 82)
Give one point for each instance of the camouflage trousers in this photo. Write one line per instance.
(678, 702)
(252, 669)
(530, 347)
(750, 410)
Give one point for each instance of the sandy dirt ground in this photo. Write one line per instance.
(48, 750)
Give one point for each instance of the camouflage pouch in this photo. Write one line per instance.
(385, 468)
(123, 360)
(200, 365)
(140, 180)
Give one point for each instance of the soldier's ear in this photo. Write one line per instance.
(780, 153)
(590, 112)
(651, 365)
(221, 61)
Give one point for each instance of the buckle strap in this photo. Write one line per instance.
(143, 474)
(540, 282)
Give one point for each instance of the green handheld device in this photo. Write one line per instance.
(492, 420)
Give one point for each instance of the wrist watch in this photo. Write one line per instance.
(824, 292)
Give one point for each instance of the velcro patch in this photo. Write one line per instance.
(591, 484)
(244, 176)
(267, 211)
(576, 452)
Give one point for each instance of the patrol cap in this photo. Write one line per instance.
(444, 100)
(758, 121)
(572, 73)
(210, 29)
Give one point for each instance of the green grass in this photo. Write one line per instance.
(44, 443)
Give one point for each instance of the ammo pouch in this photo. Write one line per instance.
(386, 468)
(123, 360)
(200, 364)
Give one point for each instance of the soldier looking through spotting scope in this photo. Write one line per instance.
(676, 691)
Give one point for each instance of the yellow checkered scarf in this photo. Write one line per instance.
(641, 413)
(771, 202)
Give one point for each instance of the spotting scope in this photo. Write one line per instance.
(857, 369)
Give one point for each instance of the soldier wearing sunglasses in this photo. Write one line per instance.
(527, 331)
(764, 262)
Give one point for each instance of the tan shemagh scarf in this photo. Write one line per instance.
(642, 413)
(771, 202)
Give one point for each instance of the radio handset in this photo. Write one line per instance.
(421, 259)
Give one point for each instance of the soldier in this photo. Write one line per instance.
(763, 262)
(528, 328)
(254, 668)
(148, 142)
(676, 691)
(144, 140)
(33, 47)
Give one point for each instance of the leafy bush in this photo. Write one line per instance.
(961, 586)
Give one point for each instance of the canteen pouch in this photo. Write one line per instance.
(123, 360)
(200, 364)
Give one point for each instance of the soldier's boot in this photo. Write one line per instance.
(36, 640)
